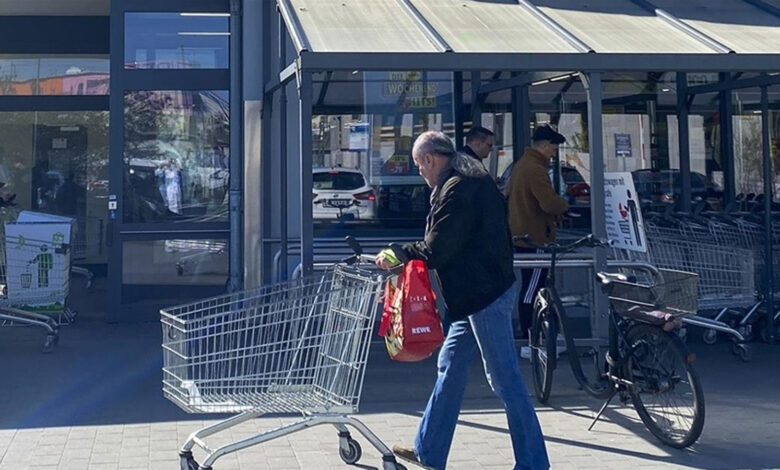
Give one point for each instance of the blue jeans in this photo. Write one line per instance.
(488, 331)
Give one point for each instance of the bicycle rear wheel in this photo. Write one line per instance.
(544, 331)
(665, 389)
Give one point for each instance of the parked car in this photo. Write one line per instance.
(342, 194)
(577, 189)
(658, 187)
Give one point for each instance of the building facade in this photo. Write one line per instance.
(185, 136)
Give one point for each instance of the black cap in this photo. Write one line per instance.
(546, 132)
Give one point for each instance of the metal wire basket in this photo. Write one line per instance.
(671, 292)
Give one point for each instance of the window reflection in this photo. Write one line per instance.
(176, 40)
(54, 75)
(368, 145)
(175, 262)
(176, 156)
(748, 146)
(172, 271)
(57, 163)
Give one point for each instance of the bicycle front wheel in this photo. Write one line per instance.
(665, 389)
(544, 331)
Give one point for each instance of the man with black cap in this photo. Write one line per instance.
(534, 209)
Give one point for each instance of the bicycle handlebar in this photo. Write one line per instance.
(589, 240)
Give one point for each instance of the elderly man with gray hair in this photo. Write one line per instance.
(467, 243)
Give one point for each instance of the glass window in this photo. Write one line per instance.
(338, 180)
(561, 102)
(176, 156)
(176, 40)
(53, 75)
(171, 270)
(774, 136)
(748, 149)
(57, 162)
(363, 133)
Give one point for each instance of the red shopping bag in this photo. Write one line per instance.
(410, 325)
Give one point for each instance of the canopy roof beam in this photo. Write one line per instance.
(429, 31)
(762, 80)
(519, 62)
(554, 26)
(294, 27)
(685, 27)
(762, 5)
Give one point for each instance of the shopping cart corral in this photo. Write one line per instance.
(297, 347)
(33, 281)
(718, 237)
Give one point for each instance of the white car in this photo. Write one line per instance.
(342, 194)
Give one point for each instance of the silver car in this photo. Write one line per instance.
(342, 194)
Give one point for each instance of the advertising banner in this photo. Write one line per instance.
(623, 215)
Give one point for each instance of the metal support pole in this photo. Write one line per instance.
(727, 142)
(525, 120)
(306, 148)
(768, 174)
(517, 121)
(236, 194)
(683, 141)
(476, 99)
(598, 224)
(457, 104)
(283, 233)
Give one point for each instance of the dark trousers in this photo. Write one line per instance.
(532, 279)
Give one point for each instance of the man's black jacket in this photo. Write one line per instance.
(467, 243)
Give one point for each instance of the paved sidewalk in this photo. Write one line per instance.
(96, 404)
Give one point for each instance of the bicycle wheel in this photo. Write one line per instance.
(665, 389)
(544, 331)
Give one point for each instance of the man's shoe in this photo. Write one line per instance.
(408, 454)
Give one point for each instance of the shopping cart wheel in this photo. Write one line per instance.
(187, 462)
(743, 351)
(354, 453)
(710, 336)
(49, 343)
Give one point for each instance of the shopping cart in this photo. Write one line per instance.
(298, 347)
(33, 280)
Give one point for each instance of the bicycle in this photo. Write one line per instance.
(646, 361)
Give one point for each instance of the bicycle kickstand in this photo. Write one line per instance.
(603, 407)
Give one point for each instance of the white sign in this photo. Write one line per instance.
(38, 261)
(358, 135)
(623, 215)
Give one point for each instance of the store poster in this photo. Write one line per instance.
(623, 145)
(623, 213)
(38, 265)
(359, 133)
(401, 105)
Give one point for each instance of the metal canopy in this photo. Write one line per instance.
(524, 35)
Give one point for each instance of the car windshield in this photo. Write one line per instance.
(338, 180)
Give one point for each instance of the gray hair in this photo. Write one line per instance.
(437, 142)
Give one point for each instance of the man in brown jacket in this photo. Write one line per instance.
(534, 209)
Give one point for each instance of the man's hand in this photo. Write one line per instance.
(386, 260)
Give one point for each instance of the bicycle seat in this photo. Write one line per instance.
(607, 278)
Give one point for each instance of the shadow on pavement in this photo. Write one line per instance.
(103, 374)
